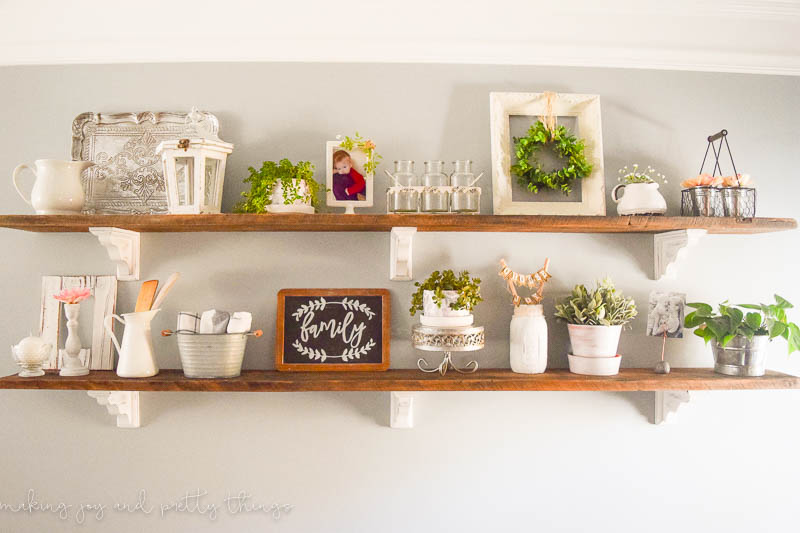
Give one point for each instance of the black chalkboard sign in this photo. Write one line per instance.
(333, 329)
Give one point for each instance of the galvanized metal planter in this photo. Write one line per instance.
(741, 357)
(211, 356)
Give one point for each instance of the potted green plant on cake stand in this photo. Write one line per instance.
(594, 321)
(739, 338)
(446, 301)
(280, 188)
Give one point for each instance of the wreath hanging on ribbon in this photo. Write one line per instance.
(528, 169)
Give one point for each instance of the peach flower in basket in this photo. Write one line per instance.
(740, 180)
(703, 180)
(73, 296)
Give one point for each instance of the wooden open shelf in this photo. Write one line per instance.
(629, 379)
(338, 222)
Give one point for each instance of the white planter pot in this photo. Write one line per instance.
(594, 341)
(639, 199)
(528, 340)
(594, 366)
(278, 204)
(444, 316)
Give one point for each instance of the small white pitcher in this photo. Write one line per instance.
(57, 189)
(136, 359)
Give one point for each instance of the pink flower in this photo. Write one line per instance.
(369, 145)
(703, 180)
(740, 180)
(73, 296)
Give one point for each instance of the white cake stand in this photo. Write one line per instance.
(447, 340)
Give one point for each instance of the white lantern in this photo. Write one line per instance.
(194, 168)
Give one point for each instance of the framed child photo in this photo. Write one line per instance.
(349, 176)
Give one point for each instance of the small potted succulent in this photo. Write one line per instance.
(446, 299)
(280, 188)
(739, 333)
(594, 321)
(641, 192)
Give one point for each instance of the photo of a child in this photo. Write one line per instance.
(348, 183)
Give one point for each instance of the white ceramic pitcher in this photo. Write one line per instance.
(136, 358)
(639, 199)
(57, 189)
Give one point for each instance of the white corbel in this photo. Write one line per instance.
(667, 403)
(122, 404)
(401, 415)
(400, 257)
(671, 248)
(122, 246)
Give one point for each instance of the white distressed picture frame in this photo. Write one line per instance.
(586, 109)
(104, 293)
(359, 158)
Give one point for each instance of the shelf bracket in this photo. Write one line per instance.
(671, 248)
(667, 403)
(122, 404)
(123, 248)
(400, 257)
(401, 415)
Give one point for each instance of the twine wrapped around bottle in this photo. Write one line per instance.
(532, 281)
(549, 119)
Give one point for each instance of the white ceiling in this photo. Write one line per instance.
(756, 36)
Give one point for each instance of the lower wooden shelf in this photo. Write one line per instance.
(629, 379)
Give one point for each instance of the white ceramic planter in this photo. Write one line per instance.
(444, 316)
(528, 340)
(594, 341)
(594, 366)
(639, 199)
(298, 206)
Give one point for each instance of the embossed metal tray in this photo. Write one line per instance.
(127, 178)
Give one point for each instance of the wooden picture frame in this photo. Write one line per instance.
(586, 110)
(303, 344)
(104, 298)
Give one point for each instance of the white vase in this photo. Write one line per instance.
(528, 340)
(444, 315)
(136, 354)
(639, 199)
(279, 205)
(594, 341)
(71, 364)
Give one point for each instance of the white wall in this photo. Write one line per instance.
(756, 36)
(475, 461)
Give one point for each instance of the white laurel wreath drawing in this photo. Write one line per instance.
(319, 354)
(320, 303)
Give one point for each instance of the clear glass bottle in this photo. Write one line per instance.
(462, 173)
(435, 200)
(434, 174)
(402, 200)
(404, 174)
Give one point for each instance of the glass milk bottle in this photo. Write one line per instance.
(528, 340)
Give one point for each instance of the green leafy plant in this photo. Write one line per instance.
(469, 290)
(263, 181)
(603, 306)
(529, 170)
(366, 146)
(731, 321)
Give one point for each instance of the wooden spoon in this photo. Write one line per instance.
(146, 295)
(165, 289)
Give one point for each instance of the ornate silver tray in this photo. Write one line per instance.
(447, 340)
(127, 178)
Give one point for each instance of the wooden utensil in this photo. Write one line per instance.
(146, 295)
(165, 289)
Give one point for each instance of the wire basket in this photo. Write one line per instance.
(739, 202)
(211, 356)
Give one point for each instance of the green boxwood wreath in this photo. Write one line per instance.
(528, 169)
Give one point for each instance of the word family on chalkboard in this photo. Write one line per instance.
(333, 329)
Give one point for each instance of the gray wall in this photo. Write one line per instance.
(475, 461)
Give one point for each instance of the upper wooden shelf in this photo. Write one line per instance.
(340, 222)
(629, 379)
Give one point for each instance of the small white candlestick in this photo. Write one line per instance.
(71, 364)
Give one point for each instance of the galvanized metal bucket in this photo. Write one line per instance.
(211, 356)
(741, 357)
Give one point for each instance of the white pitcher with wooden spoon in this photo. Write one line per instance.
(136, 354)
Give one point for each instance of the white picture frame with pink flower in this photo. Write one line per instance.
(101, 303)
(348, 184)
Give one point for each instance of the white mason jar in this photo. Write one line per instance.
(528, 340)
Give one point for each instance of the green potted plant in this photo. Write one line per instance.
(594, 321)
(739, 333)
(446, 299)
(280, 188)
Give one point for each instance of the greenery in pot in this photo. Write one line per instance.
(603, 306)
(469, 290)
(263, 181)
(731, 321)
